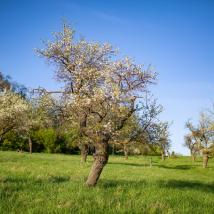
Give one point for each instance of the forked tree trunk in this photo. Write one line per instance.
(205, 160)
(100, 160)
(126, 152)
(84, 153)
(30, 145)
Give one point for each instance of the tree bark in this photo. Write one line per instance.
(168, 154)
(150, 163)
(30, 145)
(192, 155)
(84, 153)
(205, 160)
(100, 160)
(162, 156)
(126, 152)
(113, 149)
(193, 158)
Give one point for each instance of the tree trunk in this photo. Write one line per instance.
(113, 149)
(193, 157)
(126, 151)
(168, 153)
(100, 160)
(205, 160)
(150, 163)
(84, 153)
(162, 156)
(30, 145)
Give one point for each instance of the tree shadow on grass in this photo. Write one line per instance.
(58, 179)
(14, 185)
(169, 184)
(49, 179)
(182, 184)
(122, 183)
(127, 164)
(181, 167)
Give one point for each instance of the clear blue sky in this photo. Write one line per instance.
(176, 37)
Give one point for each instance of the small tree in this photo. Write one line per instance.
(203, 137)
(191, 143)
(13, 105)
(128, 135)
(38, 116)
(13, 109)
(206, 135)
(136, 128)
(161, 136)
(5, 84)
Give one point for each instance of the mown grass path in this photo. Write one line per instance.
(52, 183)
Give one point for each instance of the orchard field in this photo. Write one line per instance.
(54, 183)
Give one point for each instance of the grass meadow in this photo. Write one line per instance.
(54, 183)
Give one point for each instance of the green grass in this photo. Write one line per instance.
(48, 183)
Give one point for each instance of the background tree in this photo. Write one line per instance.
(158, 134)
(203, 135)
(39, 118)
(206, 136)
(77, 138)
(192, 145)
(13, 109)
(192, 140)
(135, 131)
(5, 84)
(128, 135)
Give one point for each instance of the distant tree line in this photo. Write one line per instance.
(32, 123)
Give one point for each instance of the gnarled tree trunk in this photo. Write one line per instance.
(100, 160)
(30, 145)
(84, 152)
(205, 160)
